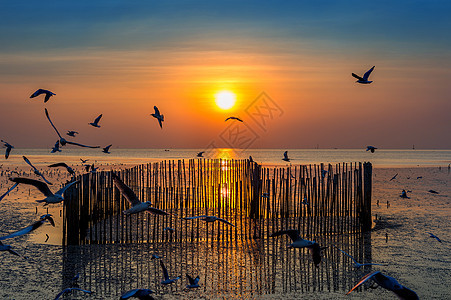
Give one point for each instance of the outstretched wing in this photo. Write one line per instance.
(192, 218)
(157, 211)
(59, 165)
(157, 112)
(8, 150)
(61, 191)
(125, 190)
(41, 186)
(23, 231)
(81, 145)
(346, 254)
(8, 191)
(98, 119)
(367, 74)
(51, 123)
(292, 233)
(129, 294)
(37, 93)
(165, 271)
(225, 221)
(363, 280)
(29, 163)
(358, 77)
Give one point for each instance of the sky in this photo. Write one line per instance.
(288, 62)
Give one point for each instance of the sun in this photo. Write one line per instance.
(225, 99)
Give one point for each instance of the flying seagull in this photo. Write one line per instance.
(158, 116)
(70, 290)
(106, 149)
(388, 283)
(200, 154)
(83, 161)
(285, 156)
(71, 133)
(30, 228)
(8, 147)
(137, 205)
(208, 219)
(167, 280)
(364, 80)
(47, 93)
(394, 177)
(8, 191)
(36, 171)
(43, 188)
(431, 235)
(69, 169)
(299, 242)
(96, 122)
(404, 195)
(56, 148)
(233, 118)
(193, 282)
(63, 141)
(355, 263)
(142, 294)
(370, 148)
(433, 192)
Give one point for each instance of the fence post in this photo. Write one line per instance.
(367, 186)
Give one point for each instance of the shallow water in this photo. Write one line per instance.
(250, 269)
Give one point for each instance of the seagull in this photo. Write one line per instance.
(370, 148)
(41, 186)
(388, 283)
(8, 191)
(394, 177)
(71, 133)
(47, 93)
(434, 236)
(36, 171)
(200, 154)
(209, 219)
(83, 161)
(433, 192)
(107, 148)
(69, 169)
(30, 228)
(8, 248)
(233, 118)
(96, 122)
(56, 148)
(285, 156)
(137, 205)
(167, 280)
(142, 294)
(404, 195)
(70, 290)
(171, 230)
(193, 282)
(8, 147)
(299, 242)
(355, 263)
(364, 80)
(63, 141)
(158, 116)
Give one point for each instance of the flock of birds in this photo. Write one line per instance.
(138, 206)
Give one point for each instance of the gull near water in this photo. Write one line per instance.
(96, 121)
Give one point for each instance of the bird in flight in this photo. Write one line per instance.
(137, 205)
(233, 118)
(370, 148)
(285, 156)
(404, 195)
(355, 263)
(47, 93)
(56, 148)
(158, 116)
(8, 147)
(83, 161)
(200, 154)
(431, 235)
(71, 133)
(96, 121)
(69, 169)
(70, 290)
(142, 294)
(8, 191)
(43, 188)
(388, 283)
(394, 177)
(364, 79)
(107, 149)
(63, 141)
(30, 228)
(208, 219)
(192, 282)
(166, 279)
(35, 170)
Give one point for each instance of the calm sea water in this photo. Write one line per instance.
(381, 158)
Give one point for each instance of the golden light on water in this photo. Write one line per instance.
(225, 99)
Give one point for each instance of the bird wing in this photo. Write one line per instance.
(357, 76)
(8, 150)
(192, 218)
(51, 123)
(97, 119)
(367, 74)
(8, 191)
(363, 279)
(157, 211)
(129, 294)
(47, 96)
(59, 165)
(41, 186)
(126, 191)
(23, 231)
(225, 221)
(61, 191)
(68, 290)
(292, 233)
(228, 119)
(190, 279)
(28, 162)
(81, 145)
(347, 254)
(161, 123)
(165, 271)
(107, 147)
(37, 93)
(157, 112)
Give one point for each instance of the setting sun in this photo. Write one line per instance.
(225, 99)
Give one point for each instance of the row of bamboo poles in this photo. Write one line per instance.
(258, 200)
